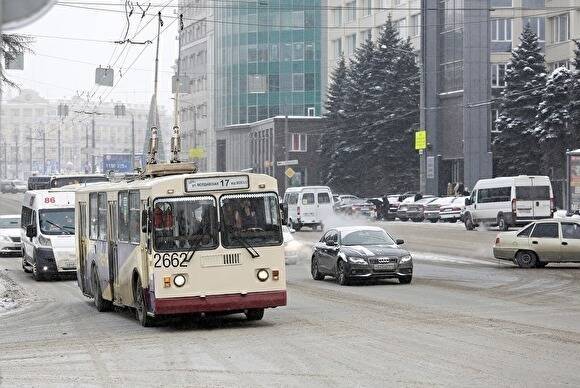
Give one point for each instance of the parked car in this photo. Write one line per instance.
(308, 206)
(362, 208)
(5, 185)
(402, 209)
(415, 210)
(432, 210)
(540, 243)
(509, 201)
(360, 252)
(10, 243)
(344, 202)
(291, 246)
(19, 186)
(453, 212)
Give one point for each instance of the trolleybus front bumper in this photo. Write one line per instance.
(218, 303)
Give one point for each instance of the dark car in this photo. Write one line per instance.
(360, 252)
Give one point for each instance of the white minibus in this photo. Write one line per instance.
(47, 233)
(308, 206)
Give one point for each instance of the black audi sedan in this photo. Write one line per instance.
(360, 252)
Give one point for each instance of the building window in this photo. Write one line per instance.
(501, 30)
(298, 52)
(350, 11)
(494, 116)
(350, 44)
(401, 26)
(498, 75)
(337, 48)
(257, 83)
(337, 17)
(538, 25)
(298, 82)
(311, 111)
(560, 28)
(298, 142)
(366, 7)
(555, 65)
(366, 34)
(415, 24)
(501, 3)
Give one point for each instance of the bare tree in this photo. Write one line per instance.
(11, 46)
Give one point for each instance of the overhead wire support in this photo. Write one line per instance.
(176, 138)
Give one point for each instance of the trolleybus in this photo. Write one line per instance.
(45, 182)
(180, 242)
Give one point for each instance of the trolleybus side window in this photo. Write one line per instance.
(134, 217)
(185, 223)
(123, 216)
(102, 216)
(93, 216)
(250, 219)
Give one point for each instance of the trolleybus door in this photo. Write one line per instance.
(82, 241)
(112, 248)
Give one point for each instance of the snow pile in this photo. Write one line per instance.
(11, 295)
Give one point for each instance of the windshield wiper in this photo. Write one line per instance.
(248, 247)
(194, 249)
(58, 226)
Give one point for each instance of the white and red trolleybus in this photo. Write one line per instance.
(179, 242)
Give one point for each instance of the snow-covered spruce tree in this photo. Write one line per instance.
(335, 107)
(516, 148)
(574, 108)
(553, 130)
(350, 159)
(395, 96)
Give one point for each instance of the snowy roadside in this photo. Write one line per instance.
(12, 295)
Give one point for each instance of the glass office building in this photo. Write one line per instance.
(268, 60)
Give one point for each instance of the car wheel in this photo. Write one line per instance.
(405, 279)
(417, 220)
(469, 225)
(341, 276)
(502, 224)
(526, 259)
(316, 274)
(254, 314)
(541, 264)
(140, 306)
(404, 219)
(453, 220)
(36, 275)
(25, 267)
(433, 221)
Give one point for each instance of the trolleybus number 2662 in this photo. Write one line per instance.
(171, 260)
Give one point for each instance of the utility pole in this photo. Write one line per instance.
(44, 151)
(159, 24)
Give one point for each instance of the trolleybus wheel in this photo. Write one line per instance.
(255, 314)
(140, 306)
(101, 304)
(25, 267)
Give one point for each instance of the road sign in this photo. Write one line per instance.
(289, 172)
(196, 153)
(293, 162)
(18, 13)
(420, 140)
(104, 76)
(430, 167)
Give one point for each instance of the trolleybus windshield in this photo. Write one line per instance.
(250, 219)
(185, 224)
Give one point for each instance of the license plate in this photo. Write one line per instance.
(384, 267)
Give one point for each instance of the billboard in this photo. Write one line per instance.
(117, 163)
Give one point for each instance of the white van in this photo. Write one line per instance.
(509, 201)
(48, 232)
(308, 206)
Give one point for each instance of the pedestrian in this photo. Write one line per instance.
(385, 207)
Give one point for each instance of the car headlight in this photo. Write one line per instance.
(44, 241)
(405, 259)
(357, 260)
(5, 239)
(179, 280)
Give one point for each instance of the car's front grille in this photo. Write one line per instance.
(382, 260)
(15, 239)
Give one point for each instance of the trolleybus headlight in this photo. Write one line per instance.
(263, 275)
(179, 280)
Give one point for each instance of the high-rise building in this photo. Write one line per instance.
(197, 67)
(350, 22)
(267, 60)
(556, 22)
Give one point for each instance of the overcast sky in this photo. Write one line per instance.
(61, 67)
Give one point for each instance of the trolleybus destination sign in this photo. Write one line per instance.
(217, 183)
